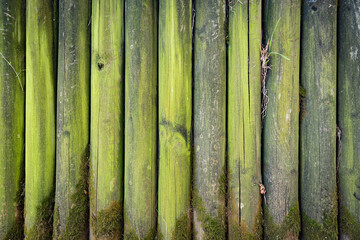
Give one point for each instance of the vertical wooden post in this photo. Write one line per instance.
(210, 119)
(318, 120)
(107, 108)
(140, 118)
(175, 38)
(12, 115)
(40, 118)
(73, 103)
(244, 120)
(349, 118)
(281, 124)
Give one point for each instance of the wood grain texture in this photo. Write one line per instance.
(281, 124)
(140, 119)
(40, 115)
(349, 118)
(175, 101)
(209, 119)
(107, 114)
(318, 121)
(12, 115)
(244, 121)
(73, 119)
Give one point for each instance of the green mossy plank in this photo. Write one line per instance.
(210, 114)
(349, 118)
(40, 117)
(244, 120)
(73, 103)
(140, 200)
(12, 115)
(107, 108)
(318, 126)
(281, 124)
(175, 108)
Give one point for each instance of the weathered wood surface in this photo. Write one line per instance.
(73, 119)
(175, 109)
(107, 109)
(140, 119)
(209, 119)
(12, 116)
(244, 120)
(349, 118)
(40, 117)
(318, 120)
(281, 124)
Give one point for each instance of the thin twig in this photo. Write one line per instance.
(17, 75)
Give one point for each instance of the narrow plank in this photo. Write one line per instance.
(318, 121)
(73, 119)
(244, 121)
(349, 118)
(209, 119)
(12, 115)
(281, 124)
(140, 200)
(40, 118)
(107, 130)
(175, 98)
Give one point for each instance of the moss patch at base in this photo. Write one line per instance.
(312, 229)
(108, 222)
(349, 226)
(182, 230)
(78, 220)
(289, 228)
(43, 227)
(133, 236)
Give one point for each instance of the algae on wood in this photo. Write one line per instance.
(73, 103)
(40, 118)
(140, 200)
(244, 120)
(318, 121)
(349, 118)
(107, 107)
(209, 119)
(175, 98)
(12, 115)
(281, 124)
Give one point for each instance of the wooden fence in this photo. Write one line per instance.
(179, 119)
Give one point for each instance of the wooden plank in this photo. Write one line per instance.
(349, 118)
(107, 108)
(40, 118)
(318, 121)
(244, 120)
(175, 100)
(209, 119)
(140, 119)
(281, 124)
(12, 115)
(73, 119)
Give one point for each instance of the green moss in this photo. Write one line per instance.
(16, 231)
(302, 93)
(108, 222)
(214, 228)
(349, 226)
(289, 228)
(133, 236)
(43, 228)
(78, 220)
(182, 230)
